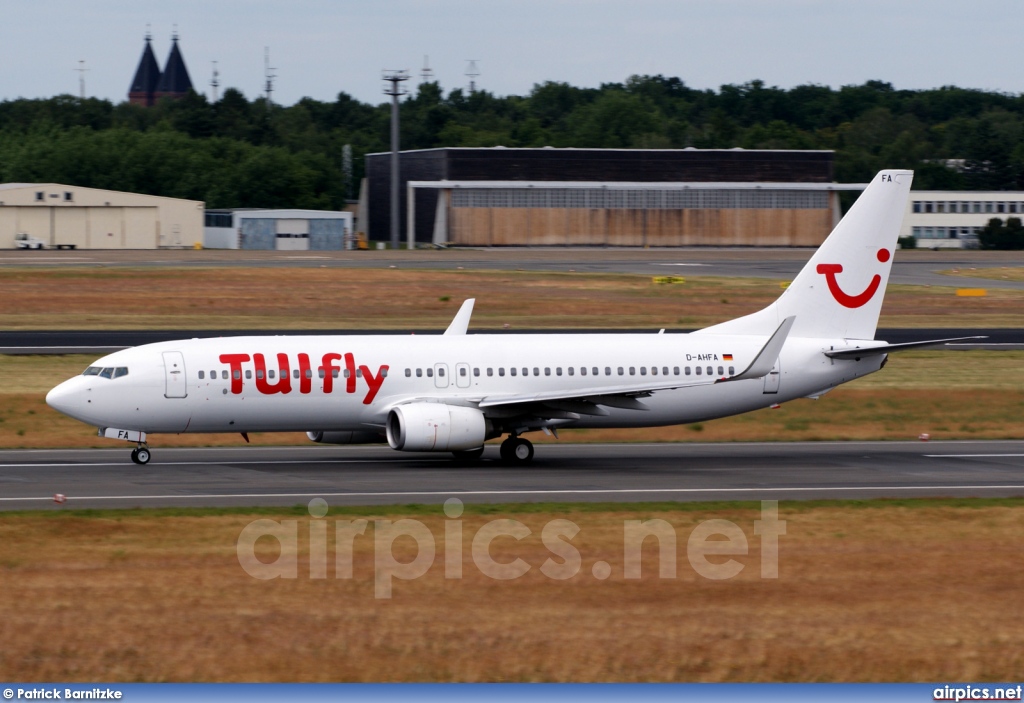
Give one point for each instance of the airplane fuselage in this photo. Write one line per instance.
(342, 383)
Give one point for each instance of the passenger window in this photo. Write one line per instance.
(490, 371)
(664, 371)
(440, 372)
(359, 373)
(248, 373)
(430, 373)
(571, 371)
(202, 375)
(295, 373)
(558, 371)
(334, 373)
(583, 371)
(710, 371)
(501, 370)
(643, 370)
(224, 374)
(259, 375)
(698, 370)
(408, 373)
(721, 371)
(595, 370)
(123, 371)
(654, 370)
(632, 371)
(309, 373)
(547, 371)
(383, 373)
(512, 371)
(270, 373)
(476, 371)
(323, 374)
(675, 370)
(622, 372)
(419, 373)
(732, 370)
(462, 371)
(236, 374)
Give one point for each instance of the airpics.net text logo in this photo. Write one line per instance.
(710, 547)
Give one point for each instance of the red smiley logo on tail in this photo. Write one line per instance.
(843, 298)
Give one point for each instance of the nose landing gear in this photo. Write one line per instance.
(140, 455)
(516, 450)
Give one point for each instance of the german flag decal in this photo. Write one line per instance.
(727, 357)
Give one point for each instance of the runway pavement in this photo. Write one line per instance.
(376, 475)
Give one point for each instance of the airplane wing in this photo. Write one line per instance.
(589, 401)
(858, 352)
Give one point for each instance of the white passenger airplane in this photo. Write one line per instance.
(453, 392)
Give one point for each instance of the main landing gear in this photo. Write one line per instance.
(516, 450)
(140, 455)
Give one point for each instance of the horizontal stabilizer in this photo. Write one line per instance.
(460, 324)
(769, 354)
(858, 352)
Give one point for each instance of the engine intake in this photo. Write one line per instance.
(435, 427)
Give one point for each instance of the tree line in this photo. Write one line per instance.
(238, 152)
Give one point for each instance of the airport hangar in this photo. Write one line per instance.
(92, 218)
(499, 196)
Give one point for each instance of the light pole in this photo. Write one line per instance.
(395, 90)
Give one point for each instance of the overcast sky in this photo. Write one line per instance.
(322, 47)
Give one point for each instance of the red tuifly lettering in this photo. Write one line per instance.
(284, 381)
(374, 383)
(327, 369)
(234, 362)
(305, 377)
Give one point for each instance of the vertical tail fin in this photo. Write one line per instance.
(838, 294)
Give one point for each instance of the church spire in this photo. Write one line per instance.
(174, 82)
(147, 76)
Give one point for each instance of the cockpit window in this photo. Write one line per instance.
(108, 372)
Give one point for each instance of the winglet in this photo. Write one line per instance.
(461, 322)
(769, 354)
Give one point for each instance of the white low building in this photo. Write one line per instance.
(281, 230)
(92, 218)
(951, 219)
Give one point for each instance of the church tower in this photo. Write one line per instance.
(174, 81)
(150, 83)
(147, 75)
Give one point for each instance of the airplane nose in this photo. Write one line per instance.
(64, 398)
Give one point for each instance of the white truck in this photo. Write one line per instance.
(23, 240)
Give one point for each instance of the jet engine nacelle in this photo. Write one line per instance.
(435, 427)
(346, 437)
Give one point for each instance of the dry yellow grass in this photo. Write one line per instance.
(864, 594)
(302, 298)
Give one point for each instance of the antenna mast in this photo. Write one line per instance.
(395, 90)
(268, 72)
(427, 74)
(472, 72)
(81, 78)
(215, 82)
